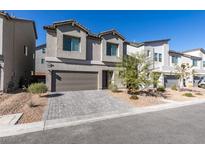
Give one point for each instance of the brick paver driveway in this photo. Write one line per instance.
(82, 103)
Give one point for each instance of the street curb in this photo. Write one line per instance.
(58, 123)
(21, 129)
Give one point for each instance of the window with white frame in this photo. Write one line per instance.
(111, 49)
(155, 56)
(203, 63)
(148, 53)
(194, 62)
(71, 43)
(160, 57)
(42, 61)
(174, 59)
(43, 50)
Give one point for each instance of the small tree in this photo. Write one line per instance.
(134, 71)
(182, 72)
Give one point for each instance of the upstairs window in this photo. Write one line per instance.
(203, 63)
(148, 53)
(155, 56)
(160, 57)
(194, 62)
(111, 49)
(43, 50)
(71, 43)
(25, 50)
(174, 59)
(42, 61)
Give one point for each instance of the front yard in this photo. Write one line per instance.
(169, 94)
(198, 94)
(31, 105)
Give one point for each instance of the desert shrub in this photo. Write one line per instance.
(135, 97)
(37, 88)
(161, 89)
(174, 87)
(188, 95)
(31, 104)
(113, 87)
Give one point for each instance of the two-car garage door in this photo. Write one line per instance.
(71, 81)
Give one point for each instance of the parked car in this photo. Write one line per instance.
(201, 82)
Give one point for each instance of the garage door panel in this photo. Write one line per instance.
(68, 81)
(170, 80)
(74, 87)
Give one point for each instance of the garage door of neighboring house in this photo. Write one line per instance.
(170, 80)
(73, 81)
(196, 80)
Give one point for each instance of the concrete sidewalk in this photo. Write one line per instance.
(57, 123)
(173, 126)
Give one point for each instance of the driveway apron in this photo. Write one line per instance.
(83, 103)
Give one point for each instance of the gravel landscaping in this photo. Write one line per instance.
(32, 106)
(198, 93)
(169, 94)
(142, 101)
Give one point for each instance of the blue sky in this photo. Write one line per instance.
(186, 29)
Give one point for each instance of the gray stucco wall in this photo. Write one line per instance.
(111, 39)
(8, 52)
(39, 55)
(78, 67)
(51, 41)
(93, 49)
(75, 32)
(1, 34)
(16, 35)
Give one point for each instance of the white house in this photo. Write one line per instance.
(164, 59)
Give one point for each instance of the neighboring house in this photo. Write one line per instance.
(164, 60)
(40, 64)
(199, 64)
(80, 60)
(157, 50)
(17, 47)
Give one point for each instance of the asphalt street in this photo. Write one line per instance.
(179, 125)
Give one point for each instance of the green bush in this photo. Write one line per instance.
(37, 88)
(188, 95)
(161, 89)
(113, 88)
(174, 87)
(135, 97)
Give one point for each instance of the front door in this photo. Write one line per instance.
(106, 79)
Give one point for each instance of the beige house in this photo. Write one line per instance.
(40, 64)
(17, 47)
(79, 60)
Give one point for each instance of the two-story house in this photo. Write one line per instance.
(40, 64)
(158, 50)
(165, 60)
(198, 64)
(17, 48)
(79, 60)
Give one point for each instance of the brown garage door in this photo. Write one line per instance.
(68, 81)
